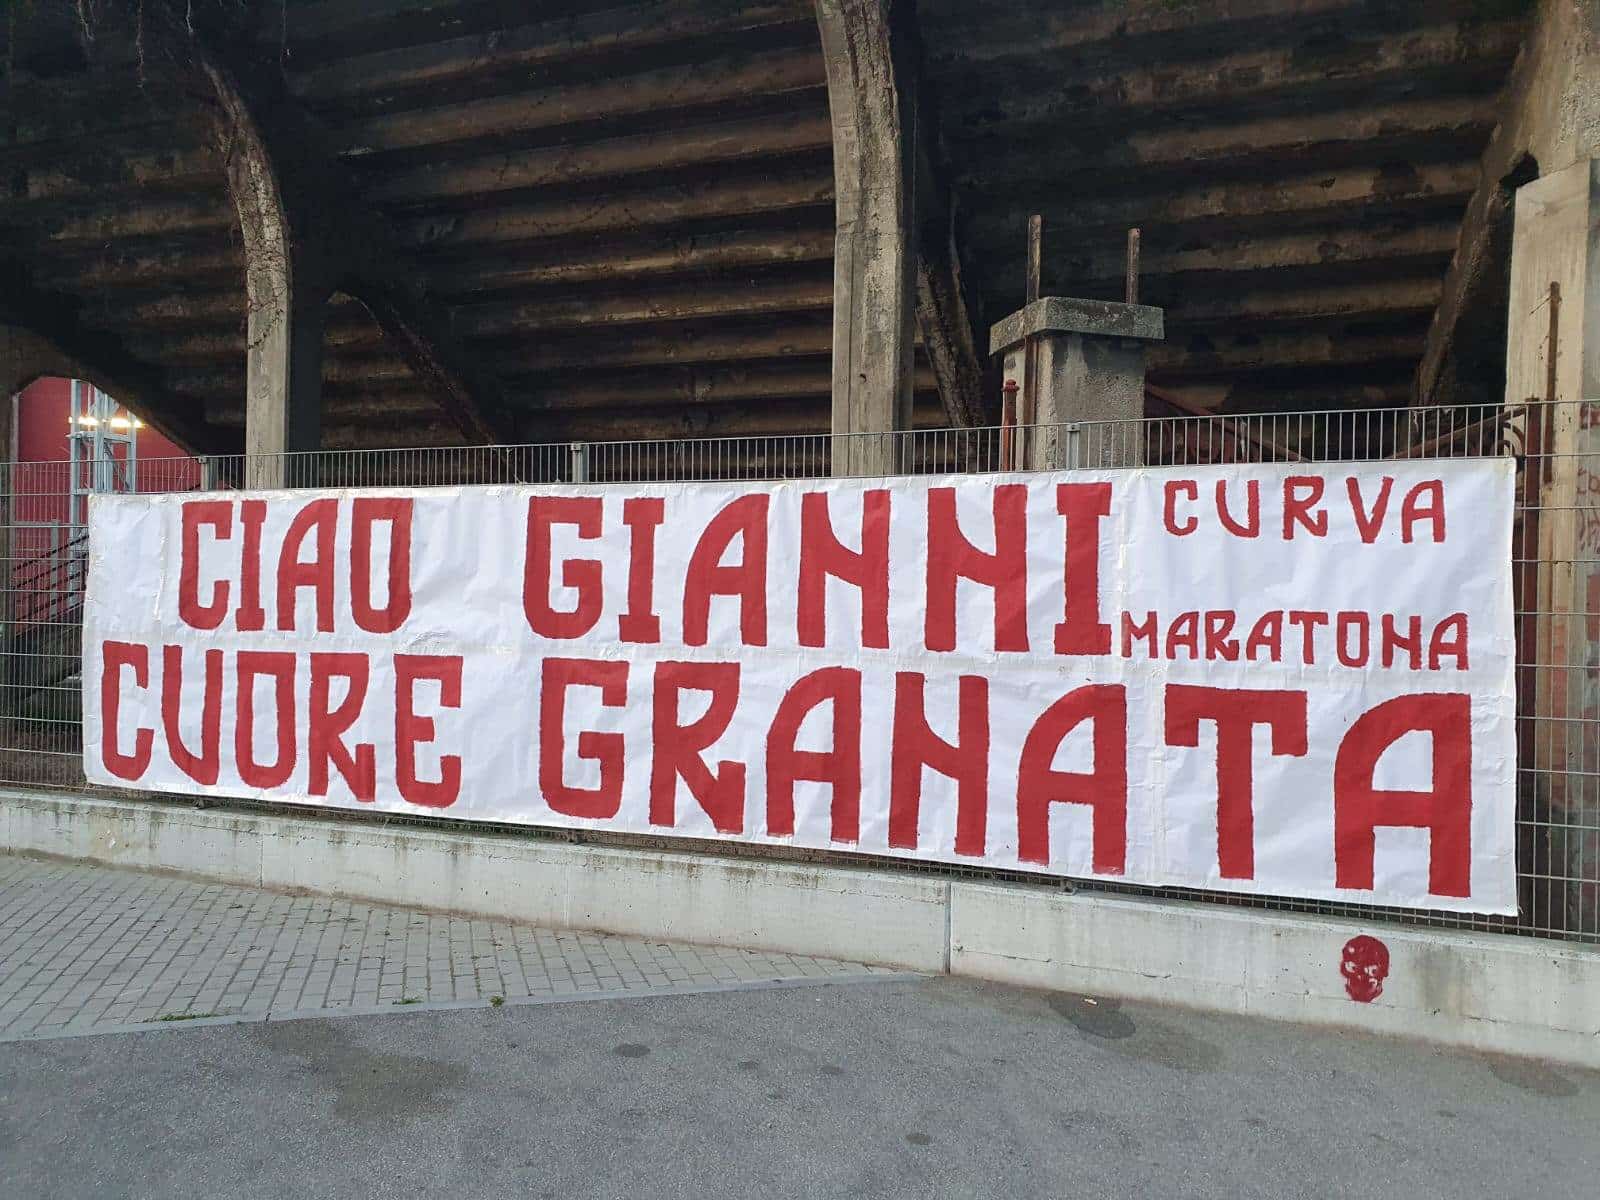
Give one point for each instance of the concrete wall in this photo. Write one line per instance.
(1487, 992)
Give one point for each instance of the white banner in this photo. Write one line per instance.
(1288, 680)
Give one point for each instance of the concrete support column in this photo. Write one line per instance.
(285, 288)
(1553, 366)
(875, 264)
(283, 380)
(1549, 119)
(1079, 370)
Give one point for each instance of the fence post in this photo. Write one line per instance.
(580, 462)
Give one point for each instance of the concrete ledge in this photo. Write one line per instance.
(1068, 314)
(861, 916)
(1513, 995)
(1487, 992)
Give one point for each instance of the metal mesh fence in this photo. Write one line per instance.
(1556, 571)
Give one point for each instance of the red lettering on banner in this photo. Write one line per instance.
(1190, 490)
(839, 766)
(1368, 525)
(365, 512)
(1080, 630)
(966, 760)
(1445, 810)
(1252, 501)
(218, 514)
(606, 749)
(250, 666)
(412, 729)
(1266, 634)
(1361, 623)
(1309, 623)
(1184, 634)
(582, 575)
(822, 555)
(318, 518)
(952, 557)
(745, 519)
(1219, 642)
(1449, 640)
(1300, 509)
(640, 624)
(1104, 789)
(677, 748)
(205, 766)
(1411, 643)
(327, 724)
(1424, 502)
(1236, 712)
(113, 657)
(1144, 631)
(250, 617)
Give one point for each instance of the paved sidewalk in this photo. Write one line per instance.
(92, 949)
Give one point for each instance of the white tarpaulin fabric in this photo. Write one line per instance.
(1285, 680)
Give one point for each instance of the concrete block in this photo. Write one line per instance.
(1479, 991)
(860, 915)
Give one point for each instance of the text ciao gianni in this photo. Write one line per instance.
(345, 565)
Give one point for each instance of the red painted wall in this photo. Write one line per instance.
(41, 486)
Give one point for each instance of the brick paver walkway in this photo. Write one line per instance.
(92, 949)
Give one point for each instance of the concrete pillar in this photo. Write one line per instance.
(874, 265)
(1555, 307)
(283, 381)
(1548, 119)
(1079, 370)
(285, 288)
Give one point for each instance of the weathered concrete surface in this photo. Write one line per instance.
(1549, 119)
(887, 1090)
(1069, 314)
(874, 118)
(1482, 991)
(1556, 243)
(1502, 993)
(893, 919)
(87, 949)
(1077, 360)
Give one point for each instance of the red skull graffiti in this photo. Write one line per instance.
(1365, 965)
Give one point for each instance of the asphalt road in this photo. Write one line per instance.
(884, 1089)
